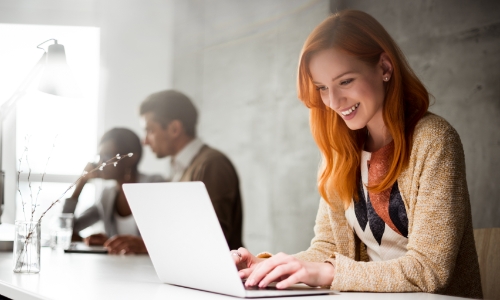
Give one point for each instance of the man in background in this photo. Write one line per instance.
(170, 123)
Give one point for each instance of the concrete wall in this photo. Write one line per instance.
(136, 55)
(454, 47)
(238, 60)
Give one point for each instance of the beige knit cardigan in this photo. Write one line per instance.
(441, 255)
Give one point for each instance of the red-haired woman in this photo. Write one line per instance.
(395, 214)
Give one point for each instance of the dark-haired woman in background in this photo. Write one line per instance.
(121, 233)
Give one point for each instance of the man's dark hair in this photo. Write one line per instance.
(170, 105)
(125, 140)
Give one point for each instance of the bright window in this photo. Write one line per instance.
(43, 119)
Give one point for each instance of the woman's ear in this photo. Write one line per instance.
(385, 64)
(132, 161)
(128, 163)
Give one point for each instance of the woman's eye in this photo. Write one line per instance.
(346, 82)
(321, 88)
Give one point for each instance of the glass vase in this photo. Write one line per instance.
(27, 247)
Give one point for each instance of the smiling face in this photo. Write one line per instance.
(351, 87)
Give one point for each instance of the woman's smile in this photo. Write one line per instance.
(350, 112)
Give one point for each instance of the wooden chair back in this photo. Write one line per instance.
(488, 251)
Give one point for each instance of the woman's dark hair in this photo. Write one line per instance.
(125, 140)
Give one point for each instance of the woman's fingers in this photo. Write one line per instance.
(238, 260)
(90, 240)
(117, 248)
(125, 244)
(265, 267)
(287, 270)
(118, 245)
(243, 258)
(237, 257)
(95, 239)
(246, 256)
(245, 261)
(100, 240)
(113, 243)
(291, 280)
(244, 273)
(278, 272)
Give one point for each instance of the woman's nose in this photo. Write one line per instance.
(332, 100)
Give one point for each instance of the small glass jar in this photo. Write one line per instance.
(61, 231)
(27, 247)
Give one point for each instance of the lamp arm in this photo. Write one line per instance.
(38, 47)
(8, 105)
(7, 108)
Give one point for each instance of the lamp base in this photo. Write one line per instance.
(6, 245)
(6, 237)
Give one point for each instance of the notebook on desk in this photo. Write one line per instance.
(186, 243)
(80, 247)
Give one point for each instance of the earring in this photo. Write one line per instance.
(386, 78)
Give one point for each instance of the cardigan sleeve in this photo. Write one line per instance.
(439, 210)
(322, 245)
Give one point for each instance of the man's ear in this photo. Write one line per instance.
(175, 128)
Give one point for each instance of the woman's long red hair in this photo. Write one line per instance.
(406, 102)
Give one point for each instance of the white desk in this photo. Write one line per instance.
(100, 276)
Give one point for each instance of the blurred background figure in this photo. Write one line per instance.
(170, 120)
(121, 234)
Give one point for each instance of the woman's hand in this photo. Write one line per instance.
(125, 244)
(81, 183)
(95, 239)
(76, 237)
(287, 270)
(89, 167)
(245, 261)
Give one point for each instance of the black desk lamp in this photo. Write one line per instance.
(56, 79)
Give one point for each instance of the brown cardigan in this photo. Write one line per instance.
(215, 170)
(441, 255)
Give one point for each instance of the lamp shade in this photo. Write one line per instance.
(57, 78)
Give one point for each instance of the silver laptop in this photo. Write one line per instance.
(186, 243)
